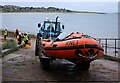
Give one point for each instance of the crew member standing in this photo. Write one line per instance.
(20, 39)
(25, 38)
(5, 34)
(16, 33)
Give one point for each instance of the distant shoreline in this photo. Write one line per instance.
(52, 13)
(19, 9)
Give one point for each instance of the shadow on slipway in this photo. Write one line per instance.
(67, 71)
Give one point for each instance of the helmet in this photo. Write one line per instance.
(24, 32)
(17, 30)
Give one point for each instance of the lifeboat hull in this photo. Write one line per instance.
(74, 49)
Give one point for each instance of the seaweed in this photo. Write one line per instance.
(11, 43)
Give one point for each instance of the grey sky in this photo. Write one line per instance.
(109, 7)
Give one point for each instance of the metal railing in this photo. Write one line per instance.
(110, 43)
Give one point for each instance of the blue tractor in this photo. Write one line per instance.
(48, 30)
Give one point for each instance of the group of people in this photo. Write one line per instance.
(21, 37)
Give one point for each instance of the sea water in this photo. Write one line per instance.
(95, 25)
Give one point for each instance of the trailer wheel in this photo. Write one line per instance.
(45, 63)
(84, 66)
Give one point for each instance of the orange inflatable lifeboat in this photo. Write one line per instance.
(76, 47)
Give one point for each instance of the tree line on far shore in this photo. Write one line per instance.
(13, 8)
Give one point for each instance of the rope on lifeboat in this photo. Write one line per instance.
(85, 48)
(94, 54)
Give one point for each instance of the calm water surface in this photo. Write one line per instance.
(96, 25)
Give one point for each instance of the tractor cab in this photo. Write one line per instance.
(50, 29)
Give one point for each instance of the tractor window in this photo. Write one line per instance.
(58, 27)
(49, 26)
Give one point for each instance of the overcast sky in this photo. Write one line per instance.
(108, 6)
